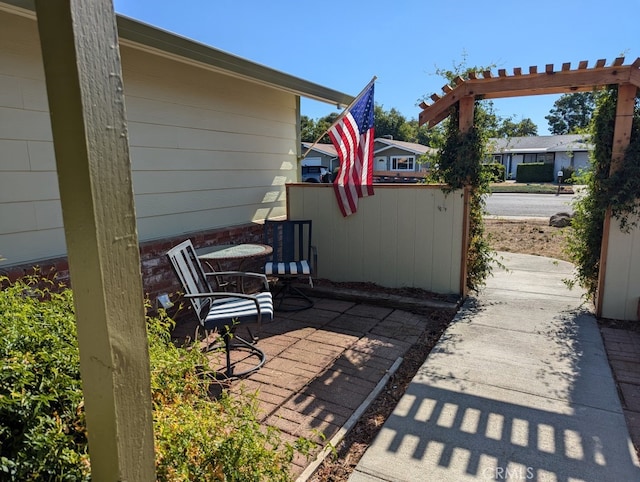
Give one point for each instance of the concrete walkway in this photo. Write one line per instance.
(519, 388)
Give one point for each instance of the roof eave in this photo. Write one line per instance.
(139, 35)
(321, 150)
(396, 146)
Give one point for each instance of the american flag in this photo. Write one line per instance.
(353, 138)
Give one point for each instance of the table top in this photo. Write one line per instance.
(233, 251)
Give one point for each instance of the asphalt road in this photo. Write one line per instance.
(528, 205)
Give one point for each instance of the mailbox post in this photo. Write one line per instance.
(560, 175)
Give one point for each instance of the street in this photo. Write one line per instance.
(528, 205)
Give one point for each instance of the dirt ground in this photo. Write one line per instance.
(527, 237)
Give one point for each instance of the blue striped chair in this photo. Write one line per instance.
(222, 311)
(294, 258)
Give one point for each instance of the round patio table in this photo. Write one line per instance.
(223, 253)
(232, 252)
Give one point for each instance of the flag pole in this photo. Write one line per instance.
(346, 109)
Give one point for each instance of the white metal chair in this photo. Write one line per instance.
(222, 311)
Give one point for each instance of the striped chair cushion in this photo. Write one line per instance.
(294, 268)
(224, 311)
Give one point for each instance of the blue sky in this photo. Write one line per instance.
(342, 44)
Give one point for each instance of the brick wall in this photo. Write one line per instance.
(50, 268)
(157, 275)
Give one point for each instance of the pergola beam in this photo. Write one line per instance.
(550, 82)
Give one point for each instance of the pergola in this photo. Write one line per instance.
(549, 80)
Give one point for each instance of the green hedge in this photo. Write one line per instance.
(535, 172)
(42, 420)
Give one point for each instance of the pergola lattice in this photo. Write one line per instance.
(551, 81)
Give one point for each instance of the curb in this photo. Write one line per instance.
(383, 299)
(348, 425)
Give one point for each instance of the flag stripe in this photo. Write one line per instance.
(353, 138)
(367, 163)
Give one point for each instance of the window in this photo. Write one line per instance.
(402, 163)
(547, 157)
(497, 158)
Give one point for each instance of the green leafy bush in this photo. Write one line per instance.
(458, 165)
(198, 438)
(568, 175)
(618, 192)
(42, 423)
(42, 434)
(534, 172)
(495, 171)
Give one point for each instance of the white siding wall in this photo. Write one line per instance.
(408, 235)
(30, 217)
(562, 160)
(581, 160)
(622, 281)
(207, 150)
(516, 159)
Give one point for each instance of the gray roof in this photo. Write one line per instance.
(146, 37)
(407, 146)
(561, 143)
(326, 149)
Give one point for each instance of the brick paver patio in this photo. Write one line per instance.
(323, 364)
(623, 351)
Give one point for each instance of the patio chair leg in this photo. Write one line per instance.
(240, 343)
(254, 338)
(230, 342)
(227, 348)
(289, 291)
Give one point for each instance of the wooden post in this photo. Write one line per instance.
(84, 84)
(621, 138)
(465, 122)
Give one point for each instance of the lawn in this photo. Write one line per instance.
(532, 188)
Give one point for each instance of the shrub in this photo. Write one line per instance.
(534, 172)
(42, 424)
(198, 438)
(618, 191)
(42, 427)
(568, 174)
(458, 165)
(495, 171)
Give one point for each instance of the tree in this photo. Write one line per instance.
(310, 130)
(389, 123)
(307, 128)
(426, 136)
(571, 113)
(508, 128)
